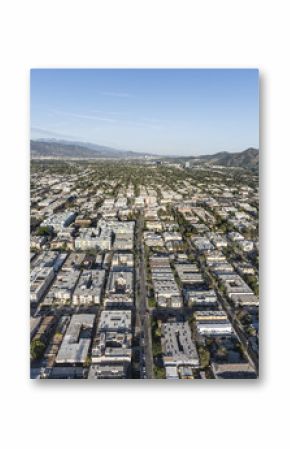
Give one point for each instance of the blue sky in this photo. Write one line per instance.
(162, 111)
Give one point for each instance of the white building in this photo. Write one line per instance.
(178, 346)
(112, 347)
(115, 321)
(214, 328)
(94, 238)
(76, 342)
(63, 287)
(59, 220)
(40, 279)
(89, 288)
(201, 297)
(212, 323)
(122, 261)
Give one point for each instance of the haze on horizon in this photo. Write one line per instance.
(162, 111)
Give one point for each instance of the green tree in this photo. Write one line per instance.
(37, 348)
(204, 356)
(251, 331)
(88, 361)
(156, 348)
(43, 230)
(159, 372)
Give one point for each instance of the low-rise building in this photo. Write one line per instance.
(62, 288)
(179, 350)
(152, 239)
(37, 241)
(83, 221)
(212, 323)
(73, 262)
(189, 273)
(217, 240)
(172, 237)
(233, 371)
(202, 244)
(124, 242)
(166, 290)
(77, 340)
(89, 288)
(154, 225)
(94, 238)
(40, 279)
(246, 245)
(235, 236)
(237, 290)
(167, 293)
(112, 347)
(201, 297)
(110, 371)
(122, 262)
(120, 282)
(52, 259)
(115, 321)
(59, 220)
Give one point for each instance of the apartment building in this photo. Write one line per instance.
(89, 287)
(179, 350)
(77, 340)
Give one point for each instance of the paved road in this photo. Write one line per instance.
(142, 306)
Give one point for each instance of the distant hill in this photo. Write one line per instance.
(248, 159)
(52, 148)
(65, 149)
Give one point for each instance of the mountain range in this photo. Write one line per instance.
(248, 159)
(52, 148)
(66, 149)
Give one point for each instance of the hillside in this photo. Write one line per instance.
(63, 149)
(248, 159)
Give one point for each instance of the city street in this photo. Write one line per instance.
(141, 304)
